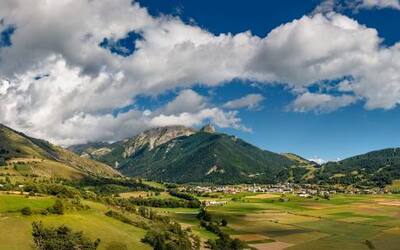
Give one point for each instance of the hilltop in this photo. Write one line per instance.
(21, 155)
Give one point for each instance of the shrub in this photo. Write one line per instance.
(224, 222)
(57, 208)
(61, 238)
(26, 211)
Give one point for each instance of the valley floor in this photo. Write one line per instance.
(262, 220)
(343, 222)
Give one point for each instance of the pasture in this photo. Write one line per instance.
(263, 221)
(343, 222)
(15, 229)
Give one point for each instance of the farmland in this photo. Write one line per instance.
(261, 220)
(343, 222)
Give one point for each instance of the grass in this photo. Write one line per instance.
(15, 229)
(155, 184)
(14, 203)
(343, 222)
(394, 187)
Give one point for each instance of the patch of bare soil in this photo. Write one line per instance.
(250, 237)
(278, 245)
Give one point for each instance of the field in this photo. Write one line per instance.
(261, 220)
(15, 229)
(343, 222)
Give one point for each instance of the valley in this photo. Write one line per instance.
(260, 220)
(181, 188)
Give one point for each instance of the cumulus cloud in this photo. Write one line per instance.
(187, 101)
(355, 5)
(214, 115)
(380, 4)
(250, 101)
(321, 103)
(55, 79)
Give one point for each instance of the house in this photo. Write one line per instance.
(214, 203)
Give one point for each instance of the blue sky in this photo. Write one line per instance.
(329, 136)
(319, 78)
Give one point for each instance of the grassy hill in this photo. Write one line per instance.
(378, 167)
(21, 155)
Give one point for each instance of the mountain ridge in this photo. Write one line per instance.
(224, 158)
(189, 156)
(31, 156)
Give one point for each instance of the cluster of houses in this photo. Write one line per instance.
(302, 190)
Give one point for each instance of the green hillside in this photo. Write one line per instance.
(379, 167)
(21, 155)
(206, 157)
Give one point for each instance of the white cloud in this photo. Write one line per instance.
(250, 101)
(322, 161)
(215, 115)
(380, 4)
(321, 103)
(318, 160)
(82, 82)
(187, 101)
(355, 5)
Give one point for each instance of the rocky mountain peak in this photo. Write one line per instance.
(154, 137)
(208, 128)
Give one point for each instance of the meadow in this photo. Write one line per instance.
(15, 229)
(342, 222)
(263, 221)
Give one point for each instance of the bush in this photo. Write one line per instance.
(57, 208)
(224, 222)
(204, 215)
(61, 238)
(26, 211)
(169, 237)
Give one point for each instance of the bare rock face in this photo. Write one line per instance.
(208, 128)
(154, 137)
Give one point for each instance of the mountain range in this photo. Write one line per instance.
(181, 154)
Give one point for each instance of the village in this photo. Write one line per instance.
(301, 190)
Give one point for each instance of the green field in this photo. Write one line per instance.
(15, 229)
(343, 222)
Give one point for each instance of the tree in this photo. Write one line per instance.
(204, 215)
(224, 222)
(57, 208)
(26, 211)
(61, 238)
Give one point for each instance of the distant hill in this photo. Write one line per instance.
(180, 154)
(378, 167)
(27, 156)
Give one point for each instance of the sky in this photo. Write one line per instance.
(319, 78)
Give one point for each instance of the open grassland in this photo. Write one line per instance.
(15, 229)
(262, 220)
(343, 222)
